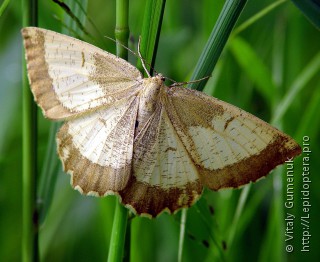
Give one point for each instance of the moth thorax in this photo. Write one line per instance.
(150, 94)
(149, 97)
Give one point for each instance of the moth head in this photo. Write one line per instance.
(161, 77)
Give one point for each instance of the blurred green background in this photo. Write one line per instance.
(280, 51)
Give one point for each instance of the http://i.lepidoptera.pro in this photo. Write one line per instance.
(154, 146)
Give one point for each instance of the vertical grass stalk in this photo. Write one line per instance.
(118, 235)
(183, 222)
(122, 28)
(30, 250)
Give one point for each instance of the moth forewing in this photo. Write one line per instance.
(229, 146)
(69, 77)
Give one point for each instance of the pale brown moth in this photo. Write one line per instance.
(154, 146)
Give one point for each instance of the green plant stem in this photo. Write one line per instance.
(29, 155)
(122, 28)
(183, 221)
(118, 235)
(150, 34)
(217, 40)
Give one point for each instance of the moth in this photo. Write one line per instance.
(154, 146)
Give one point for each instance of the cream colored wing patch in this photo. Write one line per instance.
(160, 158)
(68, 76)
(164, 176)
(229, 146)
(96, 149)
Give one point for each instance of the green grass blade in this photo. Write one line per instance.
(72, 9)
(298, 84)
(255, 69)
(256, 17)
(216, 42)
(242, 200)
(311, 9)
(310, 121)
(118, 235)
(247, 214)
(3, 6)
(48, 177)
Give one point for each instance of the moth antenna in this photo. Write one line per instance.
(142, 61)
(117, 42)
(170, 79)
(189, 82)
